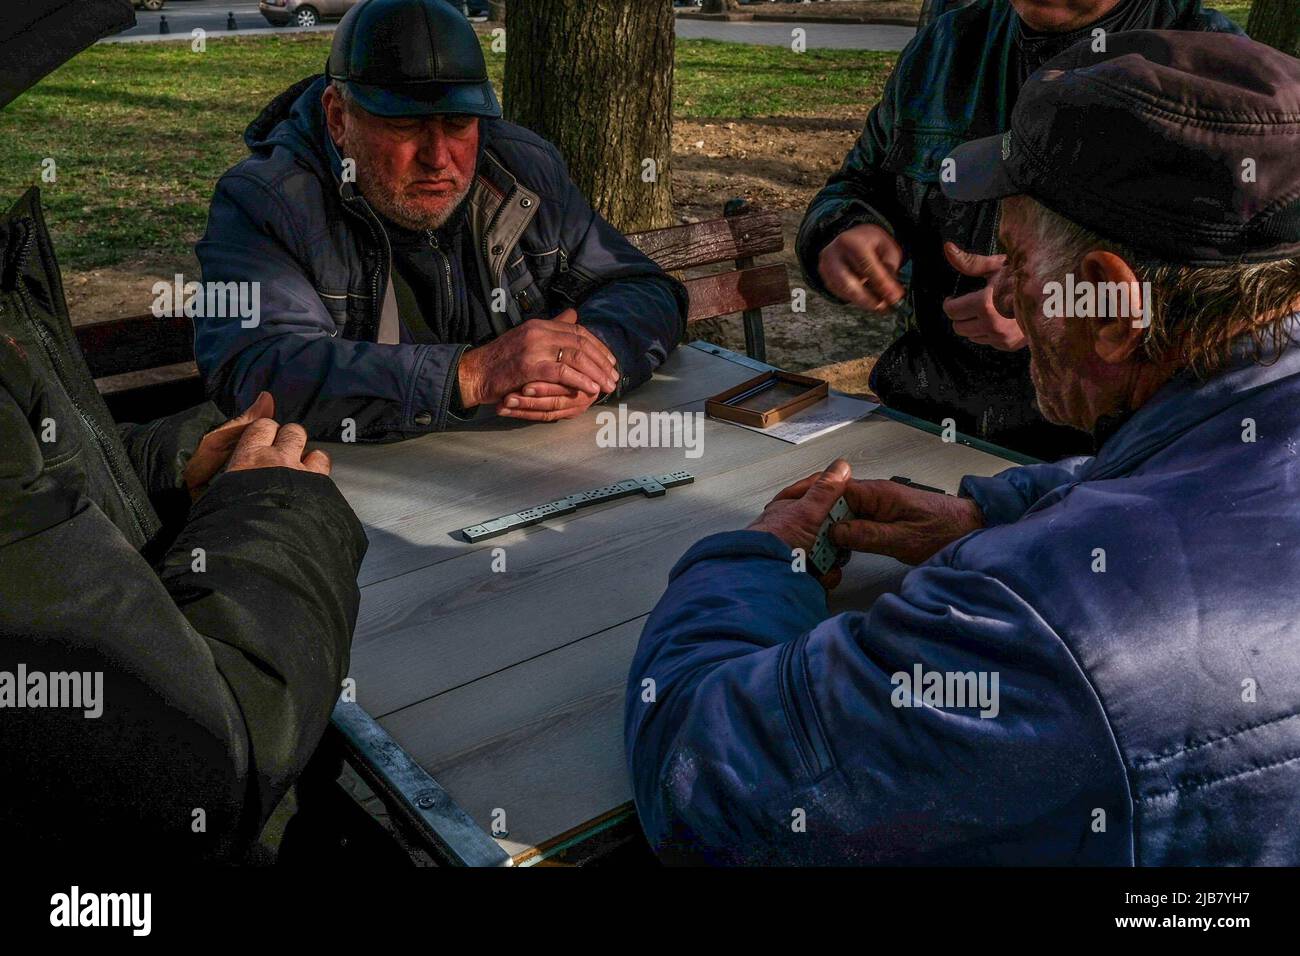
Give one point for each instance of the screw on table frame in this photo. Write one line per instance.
(415, 799)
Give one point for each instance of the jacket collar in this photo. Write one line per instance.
(1185, 402)
(1037, 48)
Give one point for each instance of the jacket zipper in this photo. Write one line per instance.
(106, 448)
(806, 731)
(377, 233)
(446, 267)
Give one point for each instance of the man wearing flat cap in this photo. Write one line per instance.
(417, 257)
(1095, 661)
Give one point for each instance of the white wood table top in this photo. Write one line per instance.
(507, 686)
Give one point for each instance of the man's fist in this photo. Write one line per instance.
(861, 267)
(266, 444)
(796, 514)
(983, 315)
(557, 351)
(907, 524)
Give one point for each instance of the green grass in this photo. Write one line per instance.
(1235, 10)
(140, 132)
(716, 79)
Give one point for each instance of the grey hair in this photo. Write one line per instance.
(1197, 312)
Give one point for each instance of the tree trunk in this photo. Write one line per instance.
(595, 77)
(1277, 23)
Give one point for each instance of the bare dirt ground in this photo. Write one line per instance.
(777, 163)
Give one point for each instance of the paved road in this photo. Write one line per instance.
(835, 36)
(184, 15)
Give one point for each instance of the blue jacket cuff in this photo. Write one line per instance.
(999, 499)
(429, 403)
(734, 544)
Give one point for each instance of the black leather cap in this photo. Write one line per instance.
(1180, 145)
(411, 58)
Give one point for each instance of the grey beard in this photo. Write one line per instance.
(407, 217)
(392, 207)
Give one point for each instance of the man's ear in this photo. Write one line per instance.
(1114, 337)
(333, 106)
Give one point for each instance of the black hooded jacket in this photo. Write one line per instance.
(219, 632)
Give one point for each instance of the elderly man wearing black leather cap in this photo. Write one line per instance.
(418, 257)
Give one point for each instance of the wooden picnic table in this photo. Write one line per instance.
(507, 686)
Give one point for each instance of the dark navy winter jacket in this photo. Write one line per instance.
(284, 218)
(1139, 608)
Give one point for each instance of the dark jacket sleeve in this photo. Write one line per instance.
(861, 191)
(864, 190)
(296, 351)
(621, 295)
(759, 730)
(161, 449)
(216, 678)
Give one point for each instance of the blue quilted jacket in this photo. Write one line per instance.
(1141, 614)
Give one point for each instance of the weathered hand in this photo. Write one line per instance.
(545, 402)
(215, 447)
(905, 523)
(983, 315)
(266, 444)
(796, 514)
(558, 351)
(861, 265)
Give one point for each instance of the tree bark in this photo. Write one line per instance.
(1277, 23)
(595, 77)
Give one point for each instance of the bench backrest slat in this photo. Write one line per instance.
(729, 292)
(135, 343)
(717, 240)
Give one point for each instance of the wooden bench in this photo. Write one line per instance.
(143, 343)
(422, 811)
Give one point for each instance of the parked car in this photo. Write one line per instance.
(308, 13)
(303, 13)
(150, 4)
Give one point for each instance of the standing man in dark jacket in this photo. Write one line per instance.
(882, 222)
(178, 599)
(418, 257)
